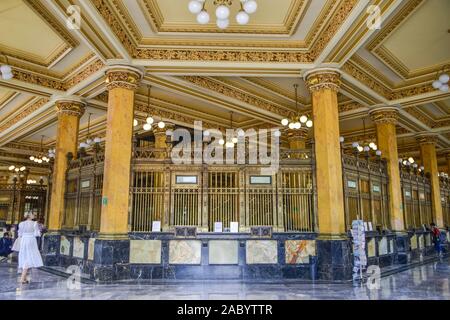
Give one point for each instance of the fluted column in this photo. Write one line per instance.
(385, 119)
(69, 113)
(122, 82)
(324, 85)
(427, 144)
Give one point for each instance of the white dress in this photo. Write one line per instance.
(29, 255)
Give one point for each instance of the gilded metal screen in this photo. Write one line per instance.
(97, 202)
(70, 203)
(148, 200)
(298, 201)
(185, 206)
(223, 198)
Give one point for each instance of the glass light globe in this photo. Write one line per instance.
(223, 24)
(291, 125)
(47, 160)
(240, 133)
(7, 76)
(360, 149)
(5, 69)
(203, 17)
(222, 12)
(411, 160)
(371, 145)
(147, 127)
(285, 122)
(97, 140)
(405, 162)
(31, 158)
(11, 168)
(16, 169)
(444, 78)
(242, 17)
(206, 133)
(437, 84)
(150, 120)
(303, 119)
(221, 142)
(375, 148)
(309, 123)
(378, 153)
(234, 140)
(341, 139)
(40, 161)
(135, 122)
(277, 133)
(298, 125)
(355, 144)
(366, 149)
(89, 141)
(22, 169)
(444, 88)
(161, 125)
(195, 7)
(250, 6)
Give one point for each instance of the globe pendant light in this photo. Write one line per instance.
(6, 70)
(250, 6)
(195, 7)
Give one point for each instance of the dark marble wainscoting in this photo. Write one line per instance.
(334, 260)
(111, 260)
(403, 248)
(51, 249)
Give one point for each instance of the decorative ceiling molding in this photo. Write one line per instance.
(32, 108)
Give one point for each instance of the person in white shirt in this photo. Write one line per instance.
(26, 244)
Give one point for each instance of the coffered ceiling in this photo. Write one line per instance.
(199, 72)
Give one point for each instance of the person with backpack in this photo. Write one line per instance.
(436, 234)
(6, 244)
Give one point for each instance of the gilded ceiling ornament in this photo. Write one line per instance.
(72, 108)
(323, 80)
(122, 78)
(380, 116)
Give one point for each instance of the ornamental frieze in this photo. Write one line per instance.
(28, 110)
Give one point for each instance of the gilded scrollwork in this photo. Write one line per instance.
(427, 139)
(122, 78)
(385, 116)
(72, 108)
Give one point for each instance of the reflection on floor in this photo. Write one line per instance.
(429, 281)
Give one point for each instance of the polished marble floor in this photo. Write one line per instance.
(430, 281)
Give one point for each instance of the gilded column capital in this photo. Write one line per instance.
(70, 107)
(423, 139)
(385, 115)
(297, 134)
(323, 79)
(123, 77)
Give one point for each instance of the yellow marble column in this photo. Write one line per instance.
(69, 113)
(121, 83)
(324, 85)
(161, 141)
(427, 144)
(385, 119)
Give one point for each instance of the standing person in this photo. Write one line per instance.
(42, 230)
(5, 246)
(436, 237)
(29, 255)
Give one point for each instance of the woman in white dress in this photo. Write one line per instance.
(29, 255)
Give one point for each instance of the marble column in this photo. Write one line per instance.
(332, 243)
(385, 119)
(69, 113)
(161, 141)
(121, 82)
(427, 144)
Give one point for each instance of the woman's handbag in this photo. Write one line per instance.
(16, 245)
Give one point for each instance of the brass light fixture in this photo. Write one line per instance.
(299, 120)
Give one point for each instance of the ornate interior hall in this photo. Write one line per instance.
(305, 144)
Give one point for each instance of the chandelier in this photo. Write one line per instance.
(299, 120)
(223, 11)
(40, 157)
(233, 140)
(89, 140)
(17, 169)
(441, 82)
(366, 146)
(6, 71)
(149, 120)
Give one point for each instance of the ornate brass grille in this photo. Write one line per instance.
(97, 202)
(223, 198)
(298, 201)
(148, 200)
(70, 203)
(185, 206)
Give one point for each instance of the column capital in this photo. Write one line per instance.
(123, 77)
(326, 78)
(73, 107)
(426, 138)
(297, 134)
(384, 115)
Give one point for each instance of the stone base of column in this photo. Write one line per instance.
(111, 260)
(50, 248)
(334, 258)
(403, 248)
